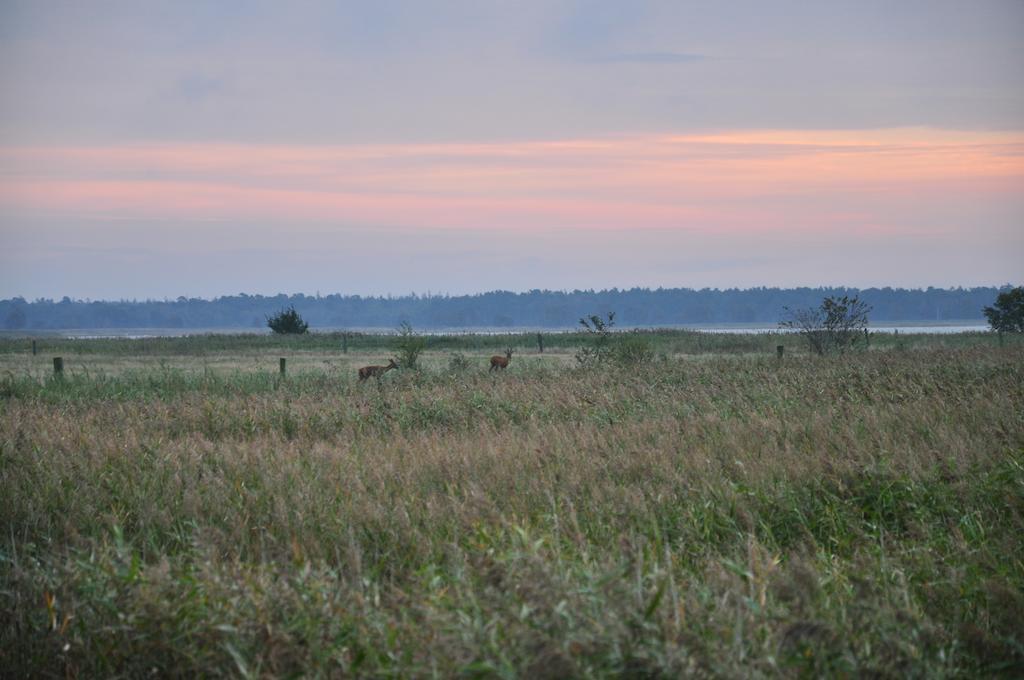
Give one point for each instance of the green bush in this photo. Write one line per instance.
(287, 321)
(457, 362)
(633, 349)
(410, 346)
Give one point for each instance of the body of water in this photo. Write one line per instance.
(972, 328)
(135, 333)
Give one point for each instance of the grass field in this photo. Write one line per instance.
(174, 507)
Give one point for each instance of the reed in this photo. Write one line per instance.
(716, 514)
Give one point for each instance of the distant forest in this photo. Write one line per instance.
(498, 309)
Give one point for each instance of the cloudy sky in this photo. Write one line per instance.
(153, 149)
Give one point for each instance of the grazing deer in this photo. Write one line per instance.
(376, 371)
(498, 361)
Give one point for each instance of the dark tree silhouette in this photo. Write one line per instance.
(1007, 314)
(287, 321)
(638, 307)
(836, 325)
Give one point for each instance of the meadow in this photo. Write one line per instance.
(176, 507)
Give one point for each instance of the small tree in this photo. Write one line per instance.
(287, 321)
(599, 332)
(837, 325)
(1007, 314)
(410, 346)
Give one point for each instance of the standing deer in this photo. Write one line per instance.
(498, 361)
(376, 371)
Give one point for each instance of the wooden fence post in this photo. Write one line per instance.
(58, 367)
(282, 365)
(540, 343)
(33, 347)
(344, 343)
(780, 349)
(867, 338)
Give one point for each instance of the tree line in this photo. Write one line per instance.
(496, 309)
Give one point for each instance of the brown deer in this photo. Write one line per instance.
(498, 361)
(367, 372)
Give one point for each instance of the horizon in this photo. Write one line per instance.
(638, 307)
(425, 295)
(396, 147)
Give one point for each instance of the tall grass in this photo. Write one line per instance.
(729, 516)
(666, 341)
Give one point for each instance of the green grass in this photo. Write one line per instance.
(710, 513)
(664, 341)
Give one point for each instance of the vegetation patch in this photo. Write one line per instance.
(706, 513)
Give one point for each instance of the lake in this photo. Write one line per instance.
(136, 333)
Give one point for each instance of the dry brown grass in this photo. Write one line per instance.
(727, 516)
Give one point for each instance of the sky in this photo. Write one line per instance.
(159, 149)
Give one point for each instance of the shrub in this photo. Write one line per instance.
(410, 346)
(836, 325)
(599, 333)
(287, 321)
(633, 350)
(457, 362)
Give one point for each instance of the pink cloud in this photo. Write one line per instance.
(749, 182)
